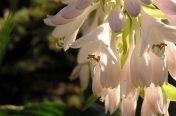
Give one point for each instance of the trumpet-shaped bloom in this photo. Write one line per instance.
(96, 46)
(154, 32)
(68, 21)
(140, 65)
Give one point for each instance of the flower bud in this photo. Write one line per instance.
(116, 20)
(132, 7)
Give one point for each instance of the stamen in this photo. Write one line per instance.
(159, 49)
(60, 42)
(97, 59)
(160, 46)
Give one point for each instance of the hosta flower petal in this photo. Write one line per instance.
(140, 66)
(154, 97)
(171, 56)
(112, 99)
(147, 109)
(101, 33)
(126, 86)
(167, 6)
(116, 20)
(172, 19)
(129, 103)
(84, 76)
(159, 69)
(85, 51)
(151, 28)
(132, 7)
(110, 74)
(82, 4)
(70, 39)
(68, 1)
(96, 85)
(146, 1)
(70, 11)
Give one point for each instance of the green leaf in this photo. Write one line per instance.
(43, 109)
(92, 99)
(170, 91)
(5, 34)
(152, 11)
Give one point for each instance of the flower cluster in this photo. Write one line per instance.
(127, 46)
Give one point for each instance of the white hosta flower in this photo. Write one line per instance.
(154, 32)
(140, 66)
(67, 26)
(112, 99)
(167, 6)
(96, 48)
(129, 103)
(153, 101)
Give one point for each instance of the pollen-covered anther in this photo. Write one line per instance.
(93, 57)
(159, 49)
(160, 46)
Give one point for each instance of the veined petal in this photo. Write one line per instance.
(146, 1)
(85, 51)
(110, 74)
(58, 19)
(96, 86)
(140, 66)
(171, 59)
(132, 7)
(84, 76)
(88, 38)
(148, 24)
(159, 69)
(69, 40)
(147, 109)
(114, 99)
(167, 6)
(171, 19)
(154, 97)
(125, 77)
(82, 4)
(168, 33)
(129, 103)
